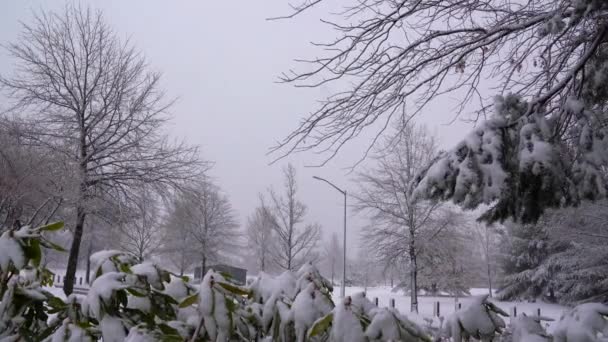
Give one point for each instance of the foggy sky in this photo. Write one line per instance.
(221, 59)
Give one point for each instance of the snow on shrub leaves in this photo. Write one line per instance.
(136, 302)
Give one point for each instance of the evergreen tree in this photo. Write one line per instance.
(523, 250)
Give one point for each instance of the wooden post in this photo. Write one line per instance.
(538, 311)
(515, 311)
(459, 306)
(80, 280)
(393, 303)
(376, 301)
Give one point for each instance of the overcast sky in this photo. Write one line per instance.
(221, 60)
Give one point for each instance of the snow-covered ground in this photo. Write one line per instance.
(448, 304)
(402, 302)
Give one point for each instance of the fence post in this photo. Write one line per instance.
(538, 311)
(436, 309)
(80, 280)
(376, 301)
(459, 306)
(393, 303)
(515, 311)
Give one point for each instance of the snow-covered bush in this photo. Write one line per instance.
(584, 323)
(131, 301)
(480, 319)
(356, 319)
(529, 329)
(23, 301)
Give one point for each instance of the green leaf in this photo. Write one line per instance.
(167, 330)
(171, 338)
(135, 293)
(189, 301)
(186, 279)
(33, 252)
(47, 278)
(321, 325)
(56, 303)
(165, 276)
(125, 268)
(235, 289)
(230, 304)
(49, 244)
(52, 227)
(226, 275)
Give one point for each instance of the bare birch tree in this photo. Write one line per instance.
(296, 241)
(400, 228)
(97, 104)
(260, 238)
(332, 256)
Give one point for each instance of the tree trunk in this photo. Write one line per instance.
(413, 279)
(489, 278)
(203, 267)
(332, 274)
(70, 273)
(87, 277)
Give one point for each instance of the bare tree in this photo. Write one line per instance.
(205, 215)
(177, 247)
(400, 228)
(98, 105)
(486, 237)
(333, 256)
(140, 226)
(397, 51)
(32, 191)
(260, 237)
(533, 71)
(295, 245)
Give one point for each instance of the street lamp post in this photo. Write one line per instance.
(343, 192)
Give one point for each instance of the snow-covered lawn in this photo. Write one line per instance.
(447, 304)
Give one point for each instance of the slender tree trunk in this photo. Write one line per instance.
(182, 265)
(413, 278)
(332, 274)
(203, 267)
(70, 274)
(87, 277)
(489, 277)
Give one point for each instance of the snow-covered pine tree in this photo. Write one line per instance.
(579, 269)
(510, 162)
(528, 158)
(580, 273)
(524, 248)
